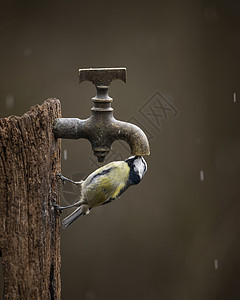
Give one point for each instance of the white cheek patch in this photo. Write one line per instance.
(140, 166)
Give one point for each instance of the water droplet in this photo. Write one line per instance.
(9, 101)
(65, 154)
(201, 175)
(215, 264)
(234, 97)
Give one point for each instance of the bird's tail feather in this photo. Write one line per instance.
(82, 210)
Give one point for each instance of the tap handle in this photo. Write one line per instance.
(102, 77)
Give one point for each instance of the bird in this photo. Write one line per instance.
(104, 185)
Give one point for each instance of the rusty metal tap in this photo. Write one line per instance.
(101, 128)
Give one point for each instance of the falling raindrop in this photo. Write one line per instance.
(9, 101)
(234, 97)
(65, 154)
(215, 264)
(201, 175)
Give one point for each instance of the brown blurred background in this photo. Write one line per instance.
(176, 235)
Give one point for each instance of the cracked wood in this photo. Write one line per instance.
(29, 226)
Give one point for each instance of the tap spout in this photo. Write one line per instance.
(133, 135)
(101, 133)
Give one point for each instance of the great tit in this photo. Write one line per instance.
(104, 185)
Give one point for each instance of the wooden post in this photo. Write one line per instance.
(29, 226)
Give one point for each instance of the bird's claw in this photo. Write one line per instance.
(61, 177)
(57, 207)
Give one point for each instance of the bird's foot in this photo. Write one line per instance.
(57, 207)
(64, 179)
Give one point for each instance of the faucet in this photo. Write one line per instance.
(101, 128)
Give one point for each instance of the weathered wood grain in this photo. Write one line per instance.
(29, 226)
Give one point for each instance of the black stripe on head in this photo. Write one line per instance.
(130, 160)
(144, 164)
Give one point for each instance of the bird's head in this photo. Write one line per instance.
(138, 168)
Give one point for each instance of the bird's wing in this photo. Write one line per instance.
(105, 183)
